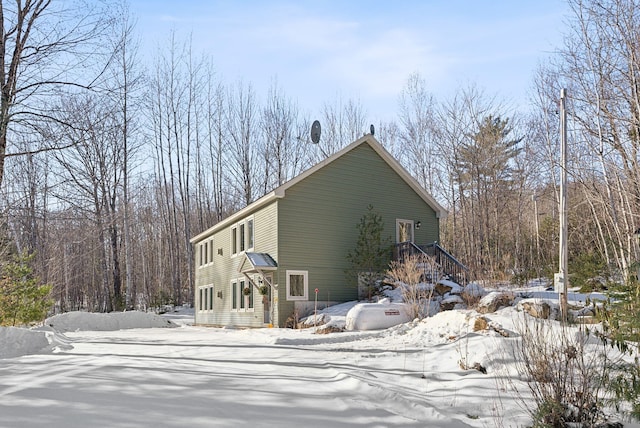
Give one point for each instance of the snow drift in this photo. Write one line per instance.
(15, 341)
(87, 321)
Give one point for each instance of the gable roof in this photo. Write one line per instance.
(281, 191)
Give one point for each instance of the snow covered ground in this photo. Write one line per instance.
(129, 370)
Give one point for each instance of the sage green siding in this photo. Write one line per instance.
(318, 217)
(224, 269)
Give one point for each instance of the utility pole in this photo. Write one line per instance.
(560, 278)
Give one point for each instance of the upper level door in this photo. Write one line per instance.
(404, 230)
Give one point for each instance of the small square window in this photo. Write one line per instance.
(297, 285)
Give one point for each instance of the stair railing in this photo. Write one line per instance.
(449, 264)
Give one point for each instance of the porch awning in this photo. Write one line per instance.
(257, 262)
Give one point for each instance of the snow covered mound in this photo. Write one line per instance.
(15, 342)
(20, 341)
(87, 321)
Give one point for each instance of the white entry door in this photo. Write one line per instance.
(266, 300)
(404, 230)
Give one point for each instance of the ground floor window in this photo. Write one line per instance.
(297, 285)
(241, 295)
(205, 298)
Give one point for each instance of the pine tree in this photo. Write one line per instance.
(372, 253)
(23, 299)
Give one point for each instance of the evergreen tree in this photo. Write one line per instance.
(487, 177)
(372, 253)
(23, 299)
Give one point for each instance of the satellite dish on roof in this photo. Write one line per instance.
(315, 132)
(372, 130)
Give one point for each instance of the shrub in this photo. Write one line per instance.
(410, 274)
(567, 371)
(23, 299)
(370, 256)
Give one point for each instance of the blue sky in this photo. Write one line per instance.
(320, 51)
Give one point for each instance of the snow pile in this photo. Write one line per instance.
(87, 321)
(331, 317)
(16, 341)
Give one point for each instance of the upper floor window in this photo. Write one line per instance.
(205, 253)
(234, 240)
(250, 234)
(242, 236)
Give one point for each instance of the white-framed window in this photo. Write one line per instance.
(297, 285)
(241, 302)
(404, 230)
(242, 236)
(234, 295)
(250, 233)
(205, 253)
(205, 298)
(234, 239)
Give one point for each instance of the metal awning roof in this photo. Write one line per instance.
(257, 262)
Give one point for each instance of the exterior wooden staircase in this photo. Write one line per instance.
(451, 267)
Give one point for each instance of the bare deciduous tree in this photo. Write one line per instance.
(47, 48)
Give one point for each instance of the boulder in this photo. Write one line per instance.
(494, 301)
(540, 309)
(474, 289)
(450, 302)
(445, 286)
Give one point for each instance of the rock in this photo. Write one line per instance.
(494, 301)
(474, 290)
(445, 286)
(442, 289)
(481, 323)
(540, 310)
(450, 302)
(480, 368)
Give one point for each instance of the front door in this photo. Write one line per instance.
(266, 299)
(404, 231)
